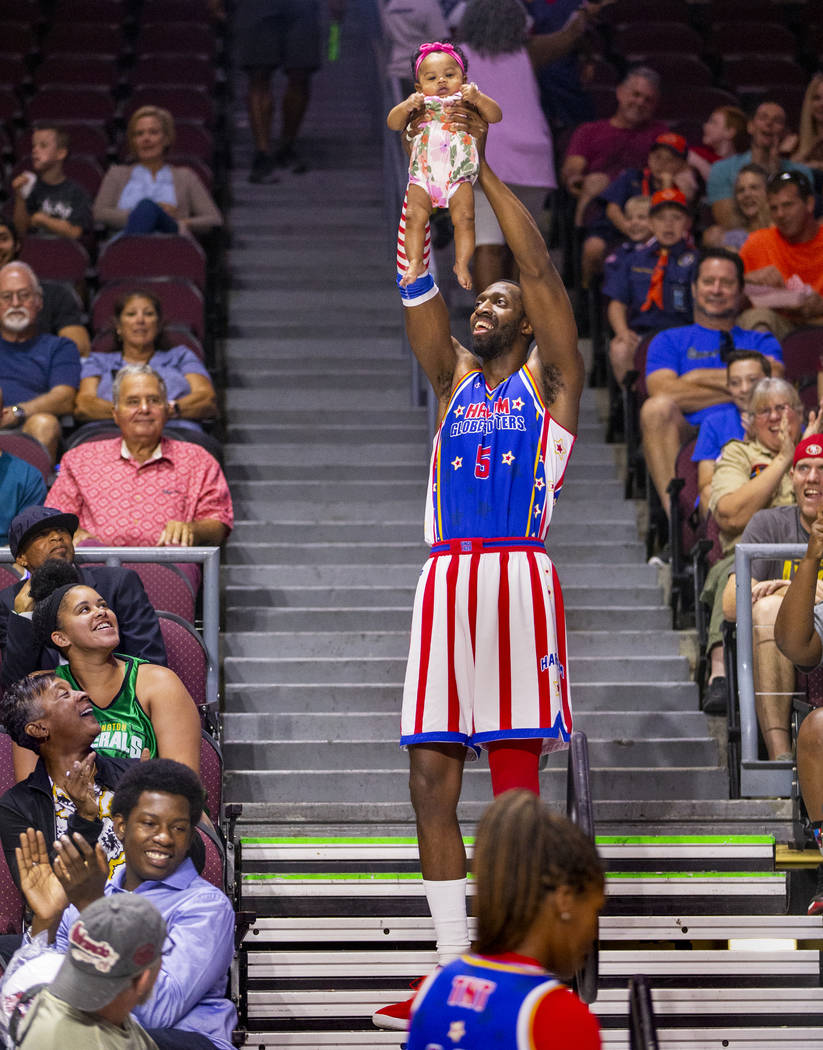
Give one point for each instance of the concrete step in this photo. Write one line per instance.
(600, 726)
(309, 530)
(391, 670)
(578, 576)
(259, 428)
(327, 754)
(398, 618)
(271, 398)
(612, 555)
(362, 785)
(347, 644)
(240, 351)
(345, 697)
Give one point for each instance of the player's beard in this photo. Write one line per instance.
(496, 342)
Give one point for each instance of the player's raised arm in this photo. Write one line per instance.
(545, 301)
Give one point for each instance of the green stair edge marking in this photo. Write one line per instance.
(414, 876)
(601, 840)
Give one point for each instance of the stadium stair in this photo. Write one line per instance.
(342, 927)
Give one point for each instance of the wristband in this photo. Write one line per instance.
(419, 291)
(19, 413)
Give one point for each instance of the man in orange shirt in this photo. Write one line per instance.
(793, 247)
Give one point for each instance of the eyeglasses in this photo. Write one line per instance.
(764, 413)
(24, 296)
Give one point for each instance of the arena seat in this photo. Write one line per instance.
(29, 449)
(81, 103)
(135, 256)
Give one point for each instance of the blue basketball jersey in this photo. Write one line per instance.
(479, 1004)
(498, 462)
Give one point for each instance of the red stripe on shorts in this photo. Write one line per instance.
(560, 632)
(425, 648)
(504, 657)
(541, 640)
(451, 596)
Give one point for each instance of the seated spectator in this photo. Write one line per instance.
(501, 57)
(138, 326)
(767, 129)
(142, 708)
(61, 313)
(744, 370)
(600, 150)
(152, 196)
(649, 285)
(142, 489)
(71, 788)
(751, 210)
(533, 932)
(798, 632)
(686, 367)
(156, 809)
(785, 260)
(724, 134)
(45, 200)
(88, 1004)
(773, 672)
(39, 374)
(39, 534)
(665, 169)
(810, 139)
(21, 486)
(750, 475)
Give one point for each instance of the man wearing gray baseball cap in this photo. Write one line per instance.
(113, 958)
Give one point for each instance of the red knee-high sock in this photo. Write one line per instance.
(514, 764)
(402, 261)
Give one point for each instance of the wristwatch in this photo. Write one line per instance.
(19, 413)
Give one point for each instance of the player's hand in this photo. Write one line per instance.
(177, 534)
(461, 118)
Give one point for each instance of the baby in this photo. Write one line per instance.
(444, 162)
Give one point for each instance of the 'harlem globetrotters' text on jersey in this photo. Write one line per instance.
(497, 463)
(487, 656)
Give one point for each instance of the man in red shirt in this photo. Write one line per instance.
(788, 253)
(600, 150)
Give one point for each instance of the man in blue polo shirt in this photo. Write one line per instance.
(649, 285)
(39, 374)
(686, 367)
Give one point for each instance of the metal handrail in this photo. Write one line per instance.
(758, 777)
(642, 1024)
(580, 811)
(208, 557)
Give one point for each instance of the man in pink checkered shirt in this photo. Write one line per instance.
(143, 489)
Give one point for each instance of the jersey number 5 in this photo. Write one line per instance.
(481, 464)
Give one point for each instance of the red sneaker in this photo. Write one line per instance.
(816, 905)
(396, 1015)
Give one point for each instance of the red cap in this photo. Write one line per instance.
(809, 448)
(671, 196)
(671, 140)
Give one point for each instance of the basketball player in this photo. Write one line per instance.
(487, 662)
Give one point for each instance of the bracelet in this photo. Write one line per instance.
(19, 413)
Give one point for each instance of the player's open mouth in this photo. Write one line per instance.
(482, 324)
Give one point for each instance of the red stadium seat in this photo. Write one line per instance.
(182, 302)
(683, 70)
(13, 71)
(55, 258)
(135, 256)
(191, 38)
(11, 902)
(172, 68)
(85, 38)
(55, 103)
(638, 11)
(195, 139)
(200, 167)
(84, 70)
(186, 652)
(168, 589)
(752, 73)
(9, 105)
(113, 12)
(649, 38)
(759, 38)
(28, 448)
(18, 38)
(176, 11)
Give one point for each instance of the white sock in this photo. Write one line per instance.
(447, 904)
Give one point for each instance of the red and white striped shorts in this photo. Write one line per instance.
(488, 658)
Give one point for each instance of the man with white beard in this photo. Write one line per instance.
(39, 374)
